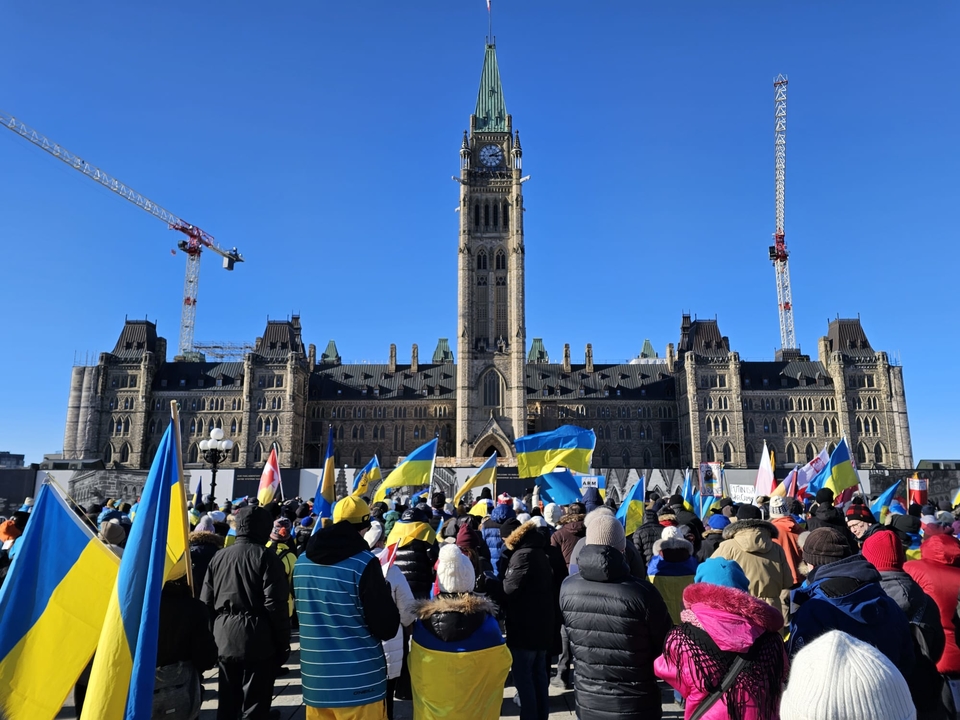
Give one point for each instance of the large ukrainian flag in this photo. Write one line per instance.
(370, 473)
(567, 446)
(52, 607)
(839, 474)
(631, 509)
(326, 495)
(415, 470)
(121, 683)
(486, 475)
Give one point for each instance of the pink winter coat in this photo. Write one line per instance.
(734, 621)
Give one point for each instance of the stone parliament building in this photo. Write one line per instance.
(699, 402)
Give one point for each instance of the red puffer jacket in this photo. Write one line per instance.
(938, 573)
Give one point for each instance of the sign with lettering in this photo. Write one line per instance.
(742, 493)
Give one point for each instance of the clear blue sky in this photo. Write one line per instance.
(320, 137)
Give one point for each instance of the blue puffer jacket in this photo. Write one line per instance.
(490, 529)
(846, 595)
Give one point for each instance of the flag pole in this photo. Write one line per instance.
(175, 417)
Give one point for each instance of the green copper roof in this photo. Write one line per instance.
(330, 356)
(443, 353)
(538, 353)
(491, 110)
(648, 351)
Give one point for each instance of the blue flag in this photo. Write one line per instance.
(559, 487)
(631, 509)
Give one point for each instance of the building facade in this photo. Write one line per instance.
(699, 402)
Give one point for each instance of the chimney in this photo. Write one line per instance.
(312, 356)
(670, 357)
(414, 359)
(393, 358)
(566, 357)
(589, 357)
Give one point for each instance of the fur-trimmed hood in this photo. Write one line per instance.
(206, 538)
(567, 519)
(733, 618)
(666, 517)
(514, 539)
(465, 603)
(740, 525)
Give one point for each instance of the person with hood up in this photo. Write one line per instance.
(458, 659)
(416, 550)
(552, 514)
(787, 537)
(282, 543)
(750, 543)
(617, 624)
(720, 623)
(113, 537)
(490, 530)
(937, 572)
(343, 666)
(406, 605)
(712, 536)
(570, 529)
(842, 592)
(530, 605)
(673, 569)
(650, 529)
(245, 591)
(204, 544)
(824, 514)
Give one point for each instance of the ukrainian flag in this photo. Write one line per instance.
(52, 607)
(881, 506)
(415, 470)
(631, 509)
(325, 498)
(688, 493)
(121, 683)
(198, 494)
(370, 472)
(486, 475)
(559, 487)
(567, 446)
(839, 474)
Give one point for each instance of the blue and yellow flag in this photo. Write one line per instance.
(559, 487)
(369, 474)
(486, 475)
(198, 493)
(838, 475)
(121, 682)
(881, 506)
(630, 513)
(568, 446)
(416, 470)
(688, 494)
(325, 498)
(52, 607)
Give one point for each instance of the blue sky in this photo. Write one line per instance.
(319, 138)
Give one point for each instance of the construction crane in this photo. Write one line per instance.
(193, 245)
(778, 251)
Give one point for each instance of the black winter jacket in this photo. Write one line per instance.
(686, 517)
(246, 591)
(531, 600)
(711, 541)
(617, 625)
(829, 516)
(203, 546)
(647, 534)
(184, 630)
(453, 617)
(415, 560)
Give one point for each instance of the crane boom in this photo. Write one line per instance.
(197, 239)
(778, 251)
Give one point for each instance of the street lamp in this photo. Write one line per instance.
(215, 451)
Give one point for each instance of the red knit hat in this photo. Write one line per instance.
(884, 551)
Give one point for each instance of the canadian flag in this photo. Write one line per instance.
(269, 479)
(388, 555)
(765, 483)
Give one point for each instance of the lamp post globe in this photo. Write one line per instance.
(215, 449)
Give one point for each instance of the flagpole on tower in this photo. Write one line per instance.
(489, 24)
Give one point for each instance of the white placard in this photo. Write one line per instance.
(742, 493)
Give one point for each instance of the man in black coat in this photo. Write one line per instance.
(417, 552)
(617, 625)
(649, 531)
(246, 592)
(688, 518)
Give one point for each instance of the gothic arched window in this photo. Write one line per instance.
(476, 215)
(500, 260)
(492, 389)
(108, 454)
(751, 428)
(625, 457)
(258, 453)
(791, 453)
(482, 260)
(727, 452)
(878, 453)
(506, 216)
(125, 453)
(751, 457)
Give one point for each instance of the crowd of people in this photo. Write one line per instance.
(772, 609)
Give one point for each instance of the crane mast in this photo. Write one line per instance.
(778, 251)
(194, 243)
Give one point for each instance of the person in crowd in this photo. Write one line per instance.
(552, 514)
(245, 591)
(787, 537)
(721, 622)
(471, 544)
(843, 592)
(304, 530)
(650, 529)
(824, 514)
(390, 518)
(617, 624)
(909, 526)
(113, 536)
(416, 552)
(282, 543)
(490, 530)
(570, 529)
(530, 606)
(591, 499)
(185, 649)
(673, 568)
(750, 543)
(712, 535)
(343, 666)
(438, 514)
(458, 660)
(633, 556)
(688, 518)
(837, 677)
(204, 544)
(860, 520)
(406, 605)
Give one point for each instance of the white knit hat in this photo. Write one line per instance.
(374, 534)
(837, 677)
(455, 572)
(595, 513)
(606, 530)
(552, 514)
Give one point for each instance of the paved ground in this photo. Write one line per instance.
(289, 701)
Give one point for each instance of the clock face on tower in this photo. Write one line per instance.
(491, 155)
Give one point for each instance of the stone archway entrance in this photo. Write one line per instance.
(488, 445)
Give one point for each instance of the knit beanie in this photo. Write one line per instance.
(485, 494)
(884, 551)
(505, 499)
(373, 535)
(859, 511)
(112, 533)
(595, 513)
(749, 512)
(824, 496)
(205, 525)
(945, 518)
(718, 522)
(455, 572)
(676, 500)
(281, 530)
(523, 517)
(606, 530)
(824, 546)
(778, 506)
(837, 677)
(720, 571)
(906, 523)
(576, 508)
(467, 537)
(552, 514)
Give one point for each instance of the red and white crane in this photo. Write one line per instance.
(778, 251)
(194, 243)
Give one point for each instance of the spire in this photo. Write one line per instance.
(491, 110)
